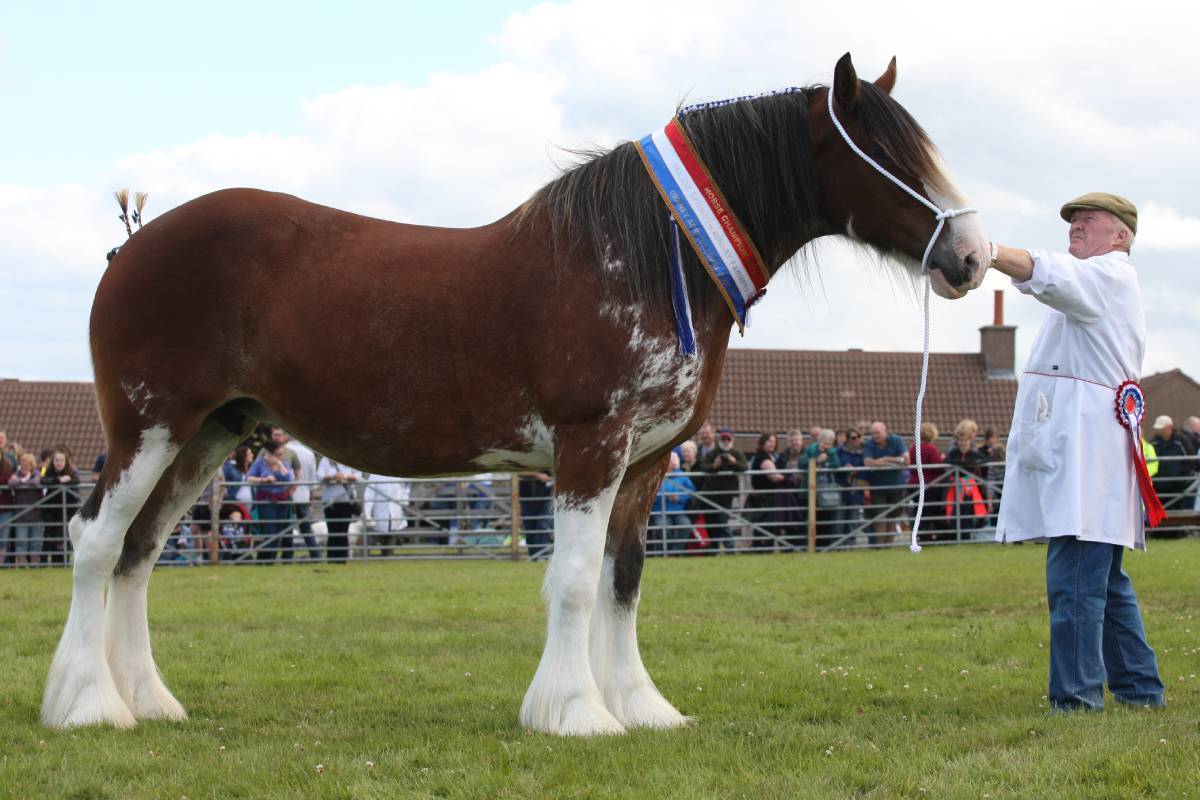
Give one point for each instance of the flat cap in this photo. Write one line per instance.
(1116, 205)
(1162, 422)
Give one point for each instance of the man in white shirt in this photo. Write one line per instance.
(1069, 474)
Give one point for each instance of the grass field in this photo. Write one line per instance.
(867, 674)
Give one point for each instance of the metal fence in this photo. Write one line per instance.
(486, 517)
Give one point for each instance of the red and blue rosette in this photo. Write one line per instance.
(1131, 409)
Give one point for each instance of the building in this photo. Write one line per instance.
(777, 390)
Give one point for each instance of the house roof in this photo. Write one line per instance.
(776, 390)
(42, 414)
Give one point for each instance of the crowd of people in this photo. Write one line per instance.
(715, 497)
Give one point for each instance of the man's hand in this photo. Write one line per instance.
(1013, 262)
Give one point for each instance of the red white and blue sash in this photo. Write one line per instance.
(1131, 409)
(702, 213)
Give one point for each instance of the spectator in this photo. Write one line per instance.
(1176, 466)
(8, 450)
(721, 487)
(233, 472)
(706, 441)
(851, 456)
(935, 485)
(829, 499)
(271, 478)
(688, 455)
(384, 501)
(537, 518)
(98, 466)
(790, 461)
(305, 468)
(1191, 432)
(6, 506)
(965, 506)
(62, 501)
(26, 486)
(341, 506)
(886, 454)
(993, 451)
(670, 518)
(481, 508)
(235, 536)
(764, 502)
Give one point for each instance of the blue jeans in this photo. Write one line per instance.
(1096, 631)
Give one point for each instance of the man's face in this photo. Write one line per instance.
(1093, 232)
(725, 442)
(1166, 431)
(879, 433)
(705, 435)
(795, 441)
(279, 435)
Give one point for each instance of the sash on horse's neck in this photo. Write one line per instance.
(701, 212)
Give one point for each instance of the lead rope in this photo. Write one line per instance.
(941, 215)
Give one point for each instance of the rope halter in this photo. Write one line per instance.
(941, 215)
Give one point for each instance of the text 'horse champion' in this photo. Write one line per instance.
(545, 340)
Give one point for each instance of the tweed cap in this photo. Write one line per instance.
(1116, 205)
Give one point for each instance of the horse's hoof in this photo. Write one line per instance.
(88, 705)
(580, 716)
(644, 707)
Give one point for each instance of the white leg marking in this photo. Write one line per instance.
(617, 665)
(563, 697)
(126, 625)
(80, 688)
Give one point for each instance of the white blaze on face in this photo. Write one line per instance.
(965, 231)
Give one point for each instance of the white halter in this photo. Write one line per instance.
(941, 215)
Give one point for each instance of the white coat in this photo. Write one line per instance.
(384, 500)
(1069, 469)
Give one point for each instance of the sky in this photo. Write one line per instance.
(452, 113)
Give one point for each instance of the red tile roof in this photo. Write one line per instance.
(776, 390)
(41, 414)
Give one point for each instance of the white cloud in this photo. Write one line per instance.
(1087, 103)
(1163, 228)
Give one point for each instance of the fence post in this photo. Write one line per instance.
(812, 505)
(214, 530)
(515, 492)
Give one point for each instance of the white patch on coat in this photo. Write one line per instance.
(139, 396)
(537, 454)
(563, 697)
(661, 369)
(628, 692)
(80, 688)
(850, 230)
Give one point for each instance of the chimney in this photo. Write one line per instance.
(998, 343)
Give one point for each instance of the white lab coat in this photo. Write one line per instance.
(383, 503)
(1069, 469)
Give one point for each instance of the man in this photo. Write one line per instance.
(721, 487)
(884, 449)
(1175, 473)
(1069, 470)
(304, 466)
(706, 441)
(1191, 432)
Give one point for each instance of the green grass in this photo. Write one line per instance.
(871, 674)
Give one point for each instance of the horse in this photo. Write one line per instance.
(541, 341)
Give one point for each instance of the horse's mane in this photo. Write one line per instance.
(756, 149)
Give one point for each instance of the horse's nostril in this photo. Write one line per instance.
(971, 261)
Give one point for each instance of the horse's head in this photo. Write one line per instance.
(868, 207)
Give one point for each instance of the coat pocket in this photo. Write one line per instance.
(1037, 446)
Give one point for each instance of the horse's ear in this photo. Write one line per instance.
(887, 81)
(845, 83)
